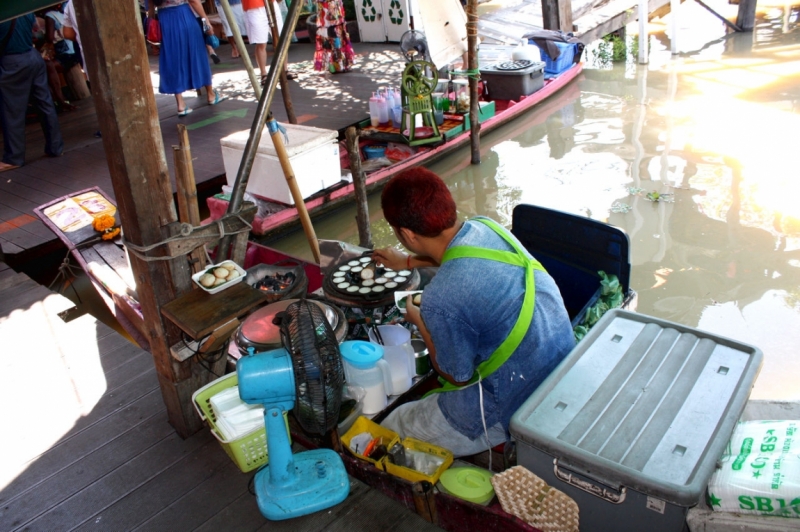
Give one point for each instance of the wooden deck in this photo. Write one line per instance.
(320, 100)
(87, 445)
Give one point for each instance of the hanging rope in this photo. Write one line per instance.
(184, 234)
(65, 272)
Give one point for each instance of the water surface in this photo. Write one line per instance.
(713, 131)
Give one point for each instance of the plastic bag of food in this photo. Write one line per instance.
(760, 471)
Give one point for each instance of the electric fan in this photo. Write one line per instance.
(414, 46)
(307, 375)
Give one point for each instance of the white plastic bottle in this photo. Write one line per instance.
(383, 109)
(374, 113)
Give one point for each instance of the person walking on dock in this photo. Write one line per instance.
(23, 73)
(182, 61)
(259, 32)
(238, 15)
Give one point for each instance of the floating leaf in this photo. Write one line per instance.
(620, 208)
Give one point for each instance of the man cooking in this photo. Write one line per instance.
(492, 318)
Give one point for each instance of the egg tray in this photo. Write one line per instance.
(334, 290)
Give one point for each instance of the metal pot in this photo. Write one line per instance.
(260, 331)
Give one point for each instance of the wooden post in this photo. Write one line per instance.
(557, 15)
(673, 16)
(472, 66)
(360, 186)
(644, 38)
(746, 17)
(188, 211)
(126, 110)
(273, 26)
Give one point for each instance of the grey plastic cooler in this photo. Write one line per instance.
(632, 422)
(512, 79)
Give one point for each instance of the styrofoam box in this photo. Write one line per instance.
(313, 153)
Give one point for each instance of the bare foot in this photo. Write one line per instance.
(6, 166)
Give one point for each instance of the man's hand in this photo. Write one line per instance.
(413, 315)
(390, 257)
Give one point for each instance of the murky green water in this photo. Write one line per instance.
(713, 131)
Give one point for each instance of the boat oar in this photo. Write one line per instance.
(286, 165)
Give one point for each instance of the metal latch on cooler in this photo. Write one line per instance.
(604, 493)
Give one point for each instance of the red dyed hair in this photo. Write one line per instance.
(418, 199)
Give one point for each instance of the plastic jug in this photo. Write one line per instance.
(364, 366)
(399, 354)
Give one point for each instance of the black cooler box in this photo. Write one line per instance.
(632, 422)
(511, 79)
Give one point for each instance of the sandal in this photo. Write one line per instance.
(217, 98)
(291, 75)
(263, 80)
(7, 166)
(185, 111)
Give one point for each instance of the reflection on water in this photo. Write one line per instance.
(712, 131)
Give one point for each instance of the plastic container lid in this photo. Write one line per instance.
(301, 139)
(472, 484)
(361, 354)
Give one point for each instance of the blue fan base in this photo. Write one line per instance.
(306, 493)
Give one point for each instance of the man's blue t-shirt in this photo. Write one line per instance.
(469, 308)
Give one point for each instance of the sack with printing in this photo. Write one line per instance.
(760, 471)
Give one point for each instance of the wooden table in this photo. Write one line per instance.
(198, 313)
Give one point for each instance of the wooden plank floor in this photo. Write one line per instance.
(87, 446)
(320, 99)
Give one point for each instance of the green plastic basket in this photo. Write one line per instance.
(249, 451)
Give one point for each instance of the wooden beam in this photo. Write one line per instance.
(746, 17)
(118, 67)
(284, 80)
(360, 188)
(188, 210)
(557, 15)
(472, 66)
(603, 23)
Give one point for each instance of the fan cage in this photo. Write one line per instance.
(317, 363)
(414, 40)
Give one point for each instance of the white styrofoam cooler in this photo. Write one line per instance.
(313, 153)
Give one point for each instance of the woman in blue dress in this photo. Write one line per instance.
(182, 61)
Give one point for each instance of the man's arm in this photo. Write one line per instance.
(414, 317)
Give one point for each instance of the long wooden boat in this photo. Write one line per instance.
(571, 248)
(285, 218)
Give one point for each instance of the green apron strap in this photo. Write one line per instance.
(472, 252)
(520, 329)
